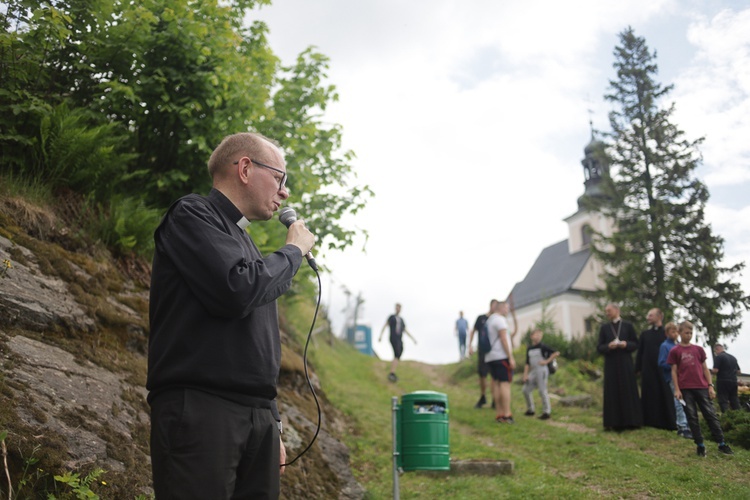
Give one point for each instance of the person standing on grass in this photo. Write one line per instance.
(500, 361)
(462, 327)
(397, 327)
(691, 379)
(482, 369)
(670, 330)
(536, 373)
(656, 398)
(726, 369)
(617, 342)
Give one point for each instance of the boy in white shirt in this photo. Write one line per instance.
(500, 362)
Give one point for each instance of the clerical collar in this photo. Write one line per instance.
(229, 208)
(243, 223)
(617, 320)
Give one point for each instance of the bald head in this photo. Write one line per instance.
(655, 317)
(250, 171)
(235, 146)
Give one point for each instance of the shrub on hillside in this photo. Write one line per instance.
(583, 348)
(128, 226)
(74, 150)
(736, 427)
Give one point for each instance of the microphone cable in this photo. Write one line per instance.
(307, 376)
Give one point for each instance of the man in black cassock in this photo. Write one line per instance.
(617, 342)
(657, 400)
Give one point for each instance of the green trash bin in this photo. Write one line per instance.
(422, 432)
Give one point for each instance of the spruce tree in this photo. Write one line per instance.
(663, 253)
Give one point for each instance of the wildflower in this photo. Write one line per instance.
(6, 265)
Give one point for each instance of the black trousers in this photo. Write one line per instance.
(726, 393)
(698, 398)
(206, 447)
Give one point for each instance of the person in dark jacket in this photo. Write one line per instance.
(617, 342)
(726, 369)
(214, 345)
(657, 400)
(396, 325)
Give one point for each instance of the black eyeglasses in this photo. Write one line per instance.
(282, 181)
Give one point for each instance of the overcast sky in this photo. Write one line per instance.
(469, 119)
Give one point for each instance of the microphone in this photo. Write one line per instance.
(288, 216)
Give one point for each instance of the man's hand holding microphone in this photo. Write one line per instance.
(298, 234)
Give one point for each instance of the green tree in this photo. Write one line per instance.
(155, 85)
(663, 253)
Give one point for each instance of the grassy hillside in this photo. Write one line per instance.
(569, 456)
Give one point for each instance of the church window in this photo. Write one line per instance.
(586, 235)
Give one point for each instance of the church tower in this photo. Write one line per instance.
(580, 224)
(556, 286)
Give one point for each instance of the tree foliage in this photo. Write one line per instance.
(98, 94)
(663, 253)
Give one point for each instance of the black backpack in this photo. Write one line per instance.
(552, 367)
(483, 342)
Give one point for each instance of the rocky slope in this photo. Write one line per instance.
(73, 340)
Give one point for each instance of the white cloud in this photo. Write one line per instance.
(713, 95)
(469, 121)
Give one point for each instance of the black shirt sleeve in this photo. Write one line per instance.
(547, 351)
(218, 270)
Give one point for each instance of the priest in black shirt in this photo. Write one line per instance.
(657, 400)
(617, 342)
(214, 345)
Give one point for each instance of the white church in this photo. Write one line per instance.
(564, 270)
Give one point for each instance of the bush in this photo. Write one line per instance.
(128, 225)
(583, 348)
(736, 427)
(75, 151)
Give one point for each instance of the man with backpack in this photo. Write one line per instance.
(482, 368)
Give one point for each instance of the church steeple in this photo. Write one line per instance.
(595, 167)
(585, 222)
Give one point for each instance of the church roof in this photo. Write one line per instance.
(553, 273)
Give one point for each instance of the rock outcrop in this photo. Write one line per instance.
(73, 337)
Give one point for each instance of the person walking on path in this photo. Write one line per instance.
(395, 323)
(462, 327)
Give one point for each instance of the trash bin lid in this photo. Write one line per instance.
(425, 396)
